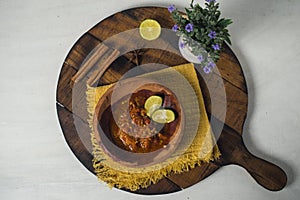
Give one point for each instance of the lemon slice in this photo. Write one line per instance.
(153, 103)
(153, 108)
(163, 116)
(150, 29)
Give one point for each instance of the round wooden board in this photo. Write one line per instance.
(74, 121)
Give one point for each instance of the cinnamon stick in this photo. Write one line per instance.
(102, 67)
(90, 62)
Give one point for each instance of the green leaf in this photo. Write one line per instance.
(192, 4)
(220, 22)
(227, 22)
(227, 39)
(188, 12)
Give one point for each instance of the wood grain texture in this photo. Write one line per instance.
(71, 107)
(81, 151)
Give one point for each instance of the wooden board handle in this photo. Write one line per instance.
(267, 174)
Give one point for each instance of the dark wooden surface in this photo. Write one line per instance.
(73, 115)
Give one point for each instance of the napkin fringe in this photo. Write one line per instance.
(120, 179)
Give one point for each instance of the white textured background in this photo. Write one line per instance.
(35, 37)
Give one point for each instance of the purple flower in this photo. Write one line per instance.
(216, 47)
(211, 64)
(200, 58)
(210, 1)
(181, 45)
(175, 28)
(212, 34)
(171, 8)
(189, 27)
(206, 70)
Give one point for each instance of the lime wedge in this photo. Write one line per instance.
(153, 103)
(163, 116)
(150, 29)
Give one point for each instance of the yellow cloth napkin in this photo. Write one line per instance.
(201, 149)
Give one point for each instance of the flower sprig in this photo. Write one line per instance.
(202, 26)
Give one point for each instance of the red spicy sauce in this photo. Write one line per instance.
(137, 133)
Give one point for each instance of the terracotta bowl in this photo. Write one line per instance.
(106, 126)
